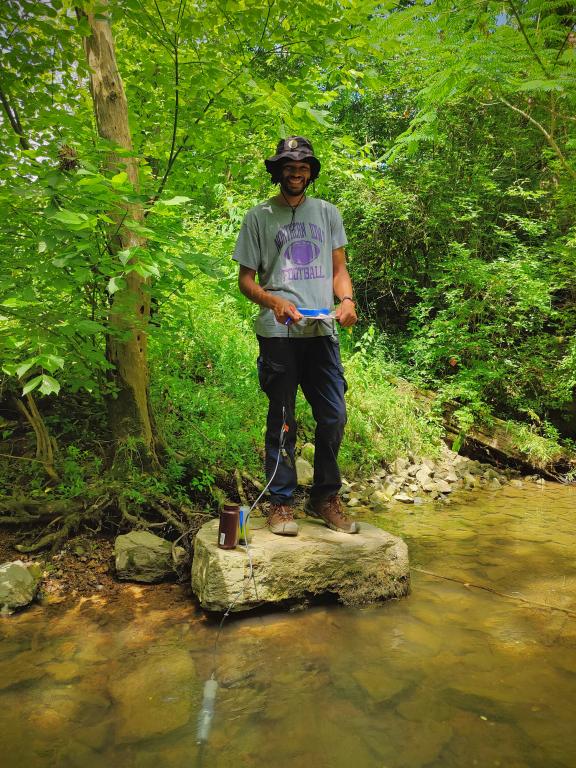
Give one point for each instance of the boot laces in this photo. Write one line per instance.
(282, 511)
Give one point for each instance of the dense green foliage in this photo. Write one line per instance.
(447, 137)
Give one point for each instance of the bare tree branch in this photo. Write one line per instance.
(547, 135)
(174, 157)
(14, 120)
(525, 36)
(265, 27)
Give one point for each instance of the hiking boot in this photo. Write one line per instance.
(330, 510)
(281, 520)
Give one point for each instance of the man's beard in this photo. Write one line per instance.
(297, 189)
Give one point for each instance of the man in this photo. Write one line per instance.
(295, 244)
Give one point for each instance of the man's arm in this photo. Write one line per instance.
(283, 310)
(342, 285)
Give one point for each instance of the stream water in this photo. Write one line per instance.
(452, 676)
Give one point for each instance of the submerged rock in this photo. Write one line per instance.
(18, 584)
(142, 556)
(361, 568)
(155, 698)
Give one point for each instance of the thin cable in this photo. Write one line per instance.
(246, 548)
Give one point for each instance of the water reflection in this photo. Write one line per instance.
(452, 676)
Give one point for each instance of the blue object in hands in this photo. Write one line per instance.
(305, 312)
(313, 314)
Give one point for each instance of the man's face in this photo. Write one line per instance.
(295, 177)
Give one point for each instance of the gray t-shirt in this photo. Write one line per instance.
(292, 259)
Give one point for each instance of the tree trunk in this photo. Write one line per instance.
(130, 413)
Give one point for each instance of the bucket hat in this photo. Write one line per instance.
(293, 148)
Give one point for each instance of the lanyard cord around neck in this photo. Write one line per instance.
(293, 207)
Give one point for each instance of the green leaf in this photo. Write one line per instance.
(134, 226)
(25, 366)
(91, 326)
(51, 362)
(119, 179)
(544, 86)
(114, 284)
(32, 384)
(49, 385)
(15, 303)
(124, 256)
(178, 200)
(70, 218)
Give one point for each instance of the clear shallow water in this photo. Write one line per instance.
(450, 676)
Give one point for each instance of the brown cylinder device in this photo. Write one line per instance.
(228, 528)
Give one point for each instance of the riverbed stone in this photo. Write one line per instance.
(25, 668)
(390, 488)
(307, 452)
(142, 556)
(379, 500)
(442, 486)
(155, 698)
(423, 475)
(18, 585)
(362, 568)
(470, 480)
(304, 471)
(404, 498)
(63, 671)
(399, 465)
(377, 685)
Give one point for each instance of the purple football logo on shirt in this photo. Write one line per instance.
(302, 252)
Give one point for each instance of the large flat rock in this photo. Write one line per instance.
(361, 568)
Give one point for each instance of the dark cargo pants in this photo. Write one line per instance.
(314, 364)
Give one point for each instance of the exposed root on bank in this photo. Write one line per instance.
(45, 444)
(240, 487)
(48, 524)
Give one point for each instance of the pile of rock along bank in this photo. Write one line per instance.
(417, 480)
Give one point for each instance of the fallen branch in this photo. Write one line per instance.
(493, 591)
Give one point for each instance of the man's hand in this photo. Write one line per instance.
(285, 312)
(346, 314)
(342, 285)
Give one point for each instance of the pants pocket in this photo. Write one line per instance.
(268, 372)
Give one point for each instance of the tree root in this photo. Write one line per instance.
(256, 483)
(168, 516)
(106, 504)
(45, 445)
(240, 487)
(22, 510)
